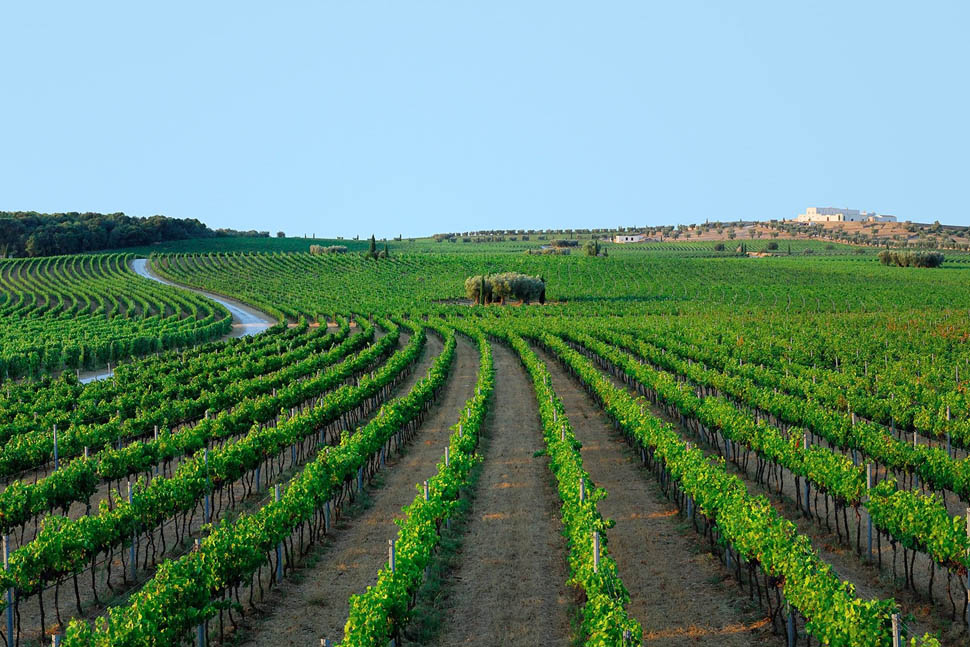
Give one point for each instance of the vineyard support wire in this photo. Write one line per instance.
(279, 546)
(869, 524)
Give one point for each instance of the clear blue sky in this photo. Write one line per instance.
(416, 117)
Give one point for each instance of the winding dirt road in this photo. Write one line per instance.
(246, 320)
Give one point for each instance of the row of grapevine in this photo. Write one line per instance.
(36, 449)
(64, 547)
(65, 400)
(605, 619)
(919, 523)
(29, 442)
(105, 310)
(933, 465)
(186, 592)
(886, 381)
(754, 530)
(379, 614)
(78, 479)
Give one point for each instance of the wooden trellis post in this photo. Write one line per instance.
(134, 537)
(868, 515)
(10, 591)
(205, 511)
(807, 502)
(596, 551)
(279, 546)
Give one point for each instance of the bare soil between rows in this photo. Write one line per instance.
(101, 588)
(509, 587)
(315, 603)
(868, 581)
(679, 592)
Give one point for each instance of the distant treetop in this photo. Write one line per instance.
(28, 233)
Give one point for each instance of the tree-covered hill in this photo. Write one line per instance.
(28, 233)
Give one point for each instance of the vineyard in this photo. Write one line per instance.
(672, 448)
(75, 312)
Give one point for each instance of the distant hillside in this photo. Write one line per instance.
(27, 233)
(873, 234)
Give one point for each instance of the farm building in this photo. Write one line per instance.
(629, 238)
(835, 214)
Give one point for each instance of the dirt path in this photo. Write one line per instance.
(315, 603)
(246, 320)
(680, 593)
(510, 585)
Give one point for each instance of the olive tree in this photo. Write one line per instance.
(507, 285)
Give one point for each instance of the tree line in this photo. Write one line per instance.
(28, 233)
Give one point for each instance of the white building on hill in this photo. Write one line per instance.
(629, 238)
(835, 214)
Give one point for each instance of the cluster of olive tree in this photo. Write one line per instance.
(911, 259)
(493, 288)
(331, 249)
(559, 242)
